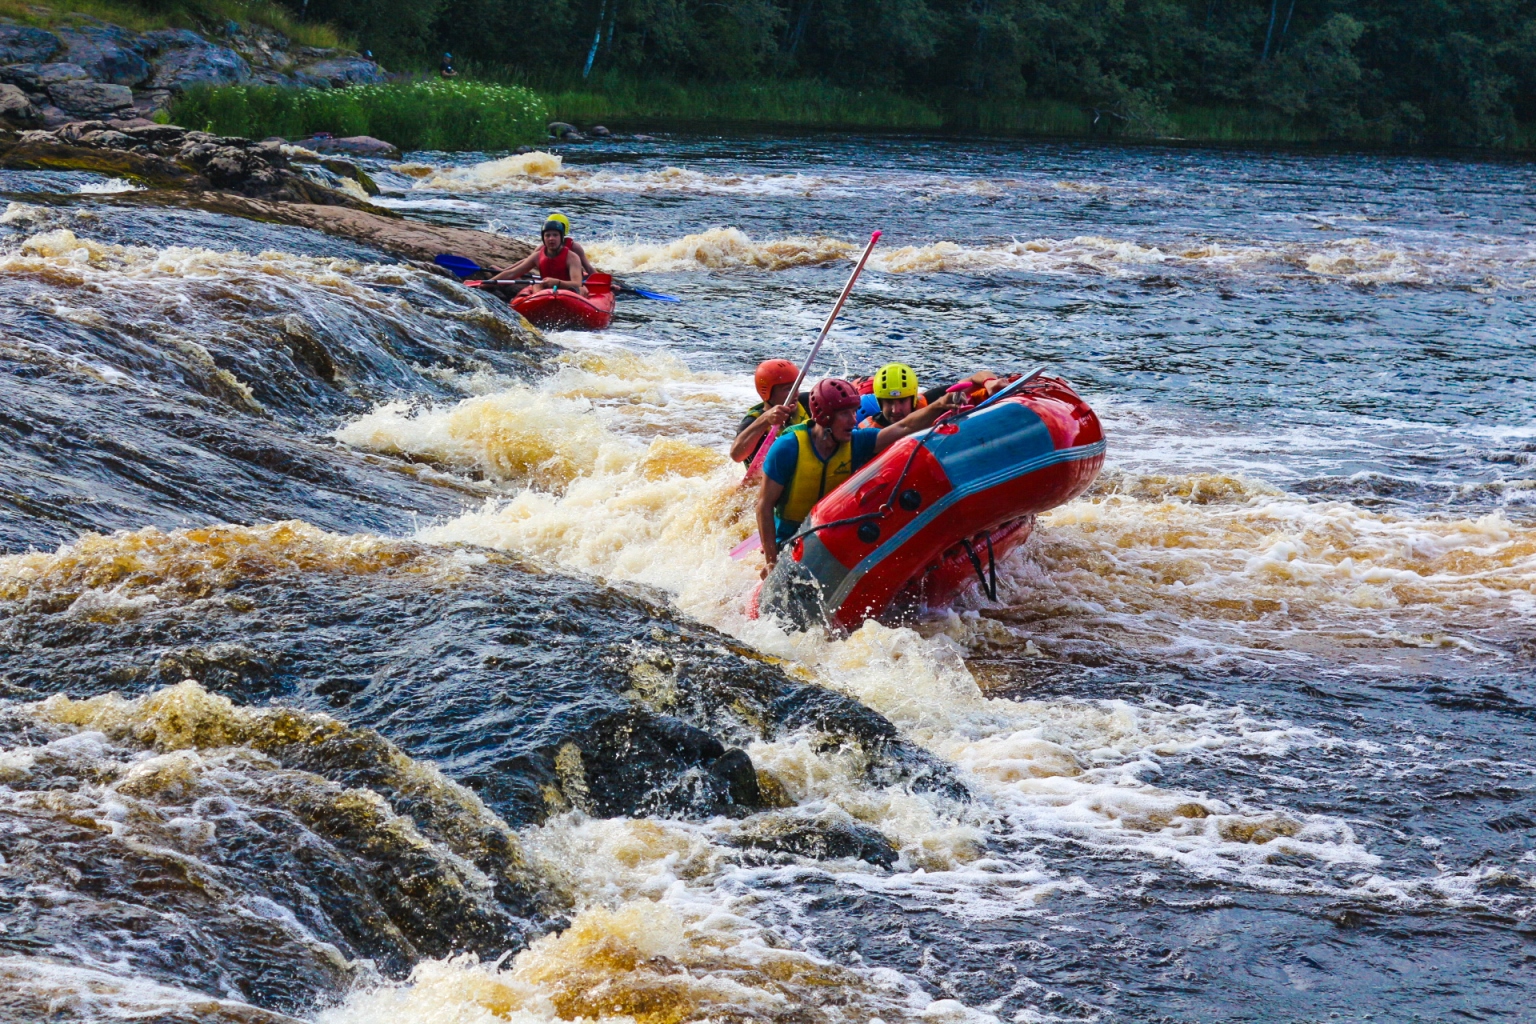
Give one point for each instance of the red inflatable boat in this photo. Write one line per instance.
(931, 514)
(565, 310)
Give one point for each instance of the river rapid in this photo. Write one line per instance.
(366, 657)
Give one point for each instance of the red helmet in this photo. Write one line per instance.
(771, 373)
(830, 395)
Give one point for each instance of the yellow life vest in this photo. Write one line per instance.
(813, 479)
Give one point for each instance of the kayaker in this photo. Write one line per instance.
(555, 260)
(773, 379)
(811, 459)
(896, 390)
(581, 254)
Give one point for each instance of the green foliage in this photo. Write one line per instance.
(805, 103)
(142, 15)
(449, 115)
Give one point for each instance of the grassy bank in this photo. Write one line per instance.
(430, 114)
(804, 104)
(192, 14)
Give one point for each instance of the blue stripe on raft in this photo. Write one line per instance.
(960, 492)
(1004, 435)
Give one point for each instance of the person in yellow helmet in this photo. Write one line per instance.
(581, 254)
(895, 388)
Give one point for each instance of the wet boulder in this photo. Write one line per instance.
(355, 145)
(16, 109)
(90, 97)
(23, 44)
(831, 836)
(107, 52)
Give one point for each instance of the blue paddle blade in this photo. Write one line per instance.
(651, 295)
(458, 264)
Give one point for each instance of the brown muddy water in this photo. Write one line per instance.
(367, 658)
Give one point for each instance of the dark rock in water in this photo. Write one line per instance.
(38, 77)
(560, 129)
(339, 72)
(108, 53)
(204, 64)
(537, 691)
(23, 44)
(356, 145)
(348, 169)
(598, 131)
(90, 97)
(827, 837)
(16, 109)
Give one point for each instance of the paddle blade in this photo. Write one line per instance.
(650, 295)
(458, 264)
(746, 547)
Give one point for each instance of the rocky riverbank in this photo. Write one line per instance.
(269, 180)
(98, 70)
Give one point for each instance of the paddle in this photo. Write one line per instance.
(463, 267)
(754, 542)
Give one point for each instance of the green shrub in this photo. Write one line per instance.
(429, 114)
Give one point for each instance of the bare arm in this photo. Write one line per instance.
(919, 420)
(767, 497)
(572, 274)
(581, 254)
(746, 441)
(518, 269)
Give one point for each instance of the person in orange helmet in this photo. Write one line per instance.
(774, 378)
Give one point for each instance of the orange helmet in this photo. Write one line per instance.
(771, 373)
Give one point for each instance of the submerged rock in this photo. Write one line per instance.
(826, 837)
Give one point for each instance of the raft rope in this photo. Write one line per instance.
(953, 416)
(988, 579)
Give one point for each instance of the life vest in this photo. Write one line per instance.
(801, 415)
(879, 420)
(555, 266)
(813, 478)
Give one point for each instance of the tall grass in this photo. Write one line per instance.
(428, 114)
(142, 16)
(803, 103)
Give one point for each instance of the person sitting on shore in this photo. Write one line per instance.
(445, 69)
(555, 262)
(812, 459)
(896, 390)
(773, 379)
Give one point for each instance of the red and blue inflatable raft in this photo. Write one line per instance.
(932, 514)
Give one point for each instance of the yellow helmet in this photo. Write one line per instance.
(896, 380)
(561, 219)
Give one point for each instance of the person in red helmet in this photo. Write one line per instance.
(774, 378)
(811, 459)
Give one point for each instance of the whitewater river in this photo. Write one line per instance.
(364, 658)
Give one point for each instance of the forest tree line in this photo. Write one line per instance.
(1459, 71)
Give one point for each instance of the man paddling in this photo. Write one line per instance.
(557, 263)
(895, 389)
(773, 379)
(812, 459)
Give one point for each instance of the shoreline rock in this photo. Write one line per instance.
(268, 181)
(157, 64)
